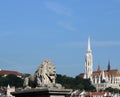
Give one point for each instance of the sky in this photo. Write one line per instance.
(32, 31)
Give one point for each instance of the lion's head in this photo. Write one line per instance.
(44, 76)
(46, 71)
(50, 70)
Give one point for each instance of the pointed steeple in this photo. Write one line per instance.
(8, 86)
(88, 62)
(98, 68)
(109, 65)
(89, 47)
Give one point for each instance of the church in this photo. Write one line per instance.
(101, 79)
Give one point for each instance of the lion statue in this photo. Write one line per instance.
(44, 76)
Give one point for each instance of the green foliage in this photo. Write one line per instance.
(3, 81)
(12, 80)
(114, 90)
(75, 83)
(66, 81)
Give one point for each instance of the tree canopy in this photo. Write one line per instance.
(75, 83)
(114, 90)
(12, 80)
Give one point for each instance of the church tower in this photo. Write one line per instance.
(88, 62)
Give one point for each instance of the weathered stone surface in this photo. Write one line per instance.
(44, 76)
(43, 92)
(42, 83)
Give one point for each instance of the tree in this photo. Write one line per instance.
(12, 80)
(75, 83)
(3, 81)
(66, 81)
(114, 90)
(84, 84)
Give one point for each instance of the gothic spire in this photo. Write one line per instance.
(89, 47)
(109, 65)
(98, 68)
(88, 62)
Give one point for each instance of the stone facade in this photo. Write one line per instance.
(42, 83)
(45, 92)
(44, 76)
(88, 62)
(106, 78)
(101, 79)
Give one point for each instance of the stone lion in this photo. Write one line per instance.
(44, 76)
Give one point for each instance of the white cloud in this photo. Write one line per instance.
(64, 11)
(58, 8)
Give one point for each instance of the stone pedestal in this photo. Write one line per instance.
(45, 92)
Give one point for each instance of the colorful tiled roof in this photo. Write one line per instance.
(113, 72)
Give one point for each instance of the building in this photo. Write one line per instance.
(101, 79)
(9, 90)
(78, 93)
(88, 62)
(7, 72)
(99, 94)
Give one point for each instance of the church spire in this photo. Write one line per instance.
(98, 68)
(88, 62)
(109, 65)
(89, 47)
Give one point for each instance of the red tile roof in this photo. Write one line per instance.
(6, 72)
(113, 72)
(98, 93)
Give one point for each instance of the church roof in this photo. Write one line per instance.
(113, 72)
(96, 73)
(98, 68)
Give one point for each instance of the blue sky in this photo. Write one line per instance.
(34, 30)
